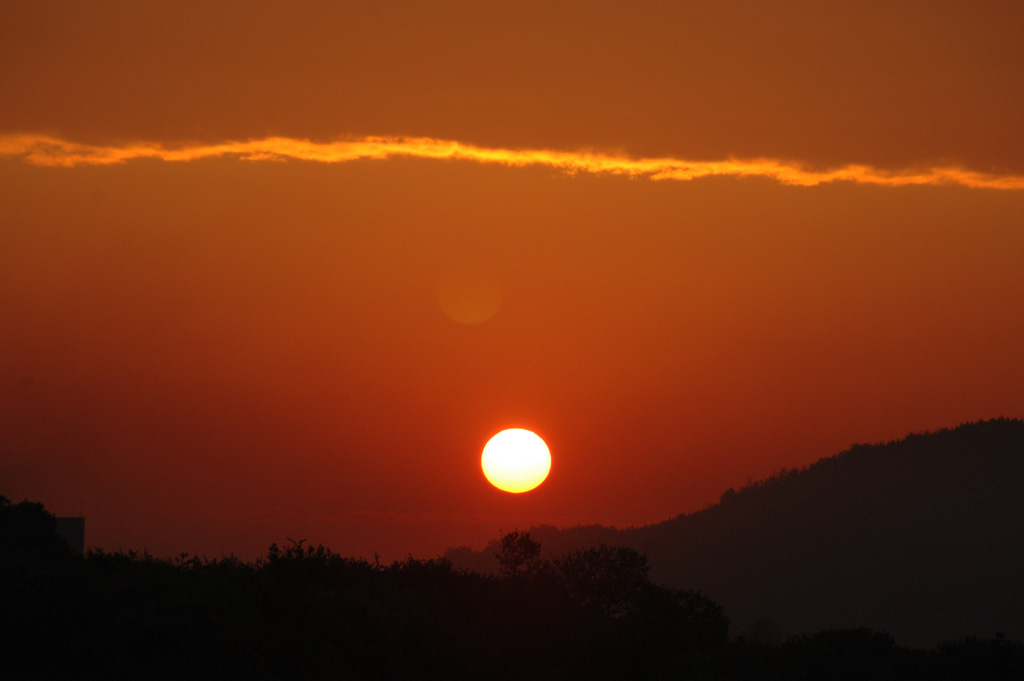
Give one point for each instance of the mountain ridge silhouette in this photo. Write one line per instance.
(921, 537)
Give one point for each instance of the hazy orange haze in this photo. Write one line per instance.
(212, 350)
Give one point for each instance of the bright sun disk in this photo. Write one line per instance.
(516, 460)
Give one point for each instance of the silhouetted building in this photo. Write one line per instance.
(72, 530)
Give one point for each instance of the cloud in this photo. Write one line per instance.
(51, 151)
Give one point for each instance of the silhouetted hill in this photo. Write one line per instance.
(921, 537)
(308, 613)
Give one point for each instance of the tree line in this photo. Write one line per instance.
(305, 612)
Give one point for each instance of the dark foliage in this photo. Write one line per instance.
(28, 530)
(519, 555)
(304, 612)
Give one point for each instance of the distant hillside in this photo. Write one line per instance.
(921, 537)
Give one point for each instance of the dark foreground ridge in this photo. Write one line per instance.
(307, 613)
(920, 537)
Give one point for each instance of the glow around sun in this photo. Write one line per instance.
(516, 460)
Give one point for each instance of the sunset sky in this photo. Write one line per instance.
(276, 270)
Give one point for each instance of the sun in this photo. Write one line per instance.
(516, 460)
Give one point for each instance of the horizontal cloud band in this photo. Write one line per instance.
(51, 151)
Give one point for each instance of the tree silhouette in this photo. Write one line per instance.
(28, 528)
(519, 554)
(305, 612)
(610, 580)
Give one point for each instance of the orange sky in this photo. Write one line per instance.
(701, 241)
